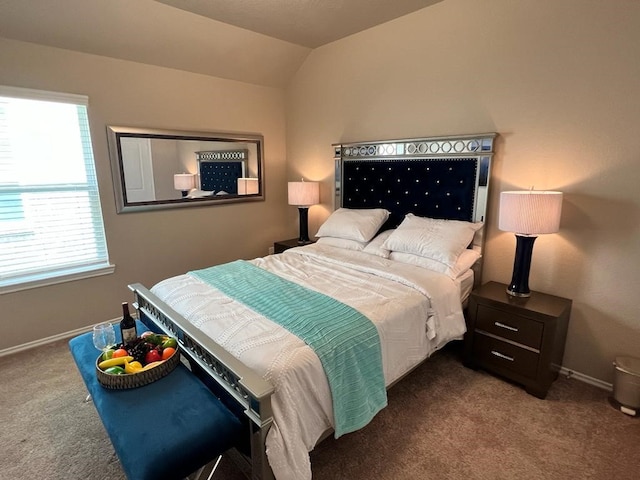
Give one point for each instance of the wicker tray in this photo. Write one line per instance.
(140, 379)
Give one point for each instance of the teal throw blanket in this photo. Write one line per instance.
(346, 341)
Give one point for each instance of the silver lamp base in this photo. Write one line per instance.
(518, 294)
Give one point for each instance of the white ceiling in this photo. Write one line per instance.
(256, 41)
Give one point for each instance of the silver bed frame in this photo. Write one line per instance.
(248, 389)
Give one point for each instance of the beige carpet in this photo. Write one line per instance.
(443, 422)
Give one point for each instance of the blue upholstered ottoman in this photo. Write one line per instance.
(164, 430)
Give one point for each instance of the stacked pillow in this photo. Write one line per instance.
(464, 262)
(434, 244)
(376, 246)
(351, 228)
(439, 245)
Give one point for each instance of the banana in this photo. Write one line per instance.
(112, 362)
(151, 365)
(132, 367)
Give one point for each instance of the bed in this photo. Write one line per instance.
(366, 263)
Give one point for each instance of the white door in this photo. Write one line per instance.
(138, 169)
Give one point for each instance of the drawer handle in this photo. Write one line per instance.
(507, 327)
(502, 355)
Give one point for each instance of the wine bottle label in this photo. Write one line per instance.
(128, 335)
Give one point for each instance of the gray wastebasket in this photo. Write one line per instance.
(626, 385)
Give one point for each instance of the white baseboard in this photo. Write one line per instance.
(586, 379)
(53, 338)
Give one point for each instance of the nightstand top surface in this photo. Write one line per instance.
(293, 242)
(538, 302)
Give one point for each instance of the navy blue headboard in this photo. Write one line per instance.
(220, 169)
(217, 176)
(440, 177)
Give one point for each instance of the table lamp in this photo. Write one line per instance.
(184, 182)
(527, 214)
(247, 186)
(304, 194)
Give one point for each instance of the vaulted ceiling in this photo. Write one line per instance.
(309, 23)
(256, 41)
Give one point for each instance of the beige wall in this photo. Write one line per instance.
(559, 81)
(146, 247)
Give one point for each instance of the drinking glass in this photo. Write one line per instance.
(104, 336)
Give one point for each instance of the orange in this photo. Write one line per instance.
(167, 352)
(121, 352)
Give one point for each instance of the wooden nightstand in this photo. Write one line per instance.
(282, 245)
(521, 339)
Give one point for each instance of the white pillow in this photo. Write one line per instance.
(465, 262)
(439, 240)
(353, 224)
(341, 243)
(374, 247)
(195, 193)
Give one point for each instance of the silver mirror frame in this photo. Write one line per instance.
(115, 133)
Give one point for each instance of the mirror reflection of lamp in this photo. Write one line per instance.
(184, 182)
(527, 214)
(247, 186)
(304, 194)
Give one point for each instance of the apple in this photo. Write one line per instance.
(152, 356)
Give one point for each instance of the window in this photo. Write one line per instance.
(51, 226)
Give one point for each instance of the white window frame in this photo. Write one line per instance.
(53, 274)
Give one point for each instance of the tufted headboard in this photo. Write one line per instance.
(438, 177)
(220, 170)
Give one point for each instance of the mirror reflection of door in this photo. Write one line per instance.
(138, 169)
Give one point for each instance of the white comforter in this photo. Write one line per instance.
(416, 311)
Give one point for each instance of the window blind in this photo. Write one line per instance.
(51, 226)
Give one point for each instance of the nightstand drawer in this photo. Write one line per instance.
(496, 353)
(512, 327)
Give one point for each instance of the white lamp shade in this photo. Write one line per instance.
(184, 181)
(304, 194)
(247, 186)
(530, 212)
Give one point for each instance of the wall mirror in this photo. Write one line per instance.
(155, 169)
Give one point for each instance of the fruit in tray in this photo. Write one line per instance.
(147, 351)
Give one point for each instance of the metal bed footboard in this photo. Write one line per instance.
(247, 388)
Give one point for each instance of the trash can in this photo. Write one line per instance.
(626, 385)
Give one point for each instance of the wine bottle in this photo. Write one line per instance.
(127, 325)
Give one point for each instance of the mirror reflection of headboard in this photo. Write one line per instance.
(219, 171)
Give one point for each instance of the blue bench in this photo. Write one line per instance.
(165, 430)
